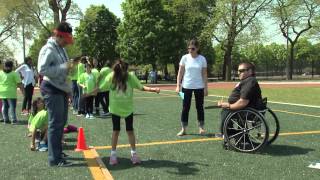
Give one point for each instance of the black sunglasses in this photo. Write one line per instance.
(192, 48)
(242, 70)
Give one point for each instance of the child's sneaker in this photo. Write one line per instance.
(113, 160)
(135, 158)
(87, 116)
(43, 147)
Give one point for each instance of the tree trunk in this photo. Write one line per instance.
(227, 64)
(289, 69)
(55, 9)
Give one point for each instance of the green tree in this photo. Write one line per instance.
(230, 19)
(295, 17)
(96, 36)
(188, 19)
(144, 35)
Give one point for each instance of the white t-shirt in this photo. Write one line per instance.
(27, 74)
(192, 78)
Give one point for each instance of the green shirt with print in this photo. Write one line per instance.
(104, 72)
(96, 73)
(80, 70)
(8, 84)
(39, 121)
(89, 81)
(121, 103)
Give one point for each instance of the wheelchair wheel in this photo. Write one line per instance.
(273, 124)
(246, 130)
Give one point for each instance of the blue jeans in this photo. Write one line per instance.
(9, 106)
(57, 107)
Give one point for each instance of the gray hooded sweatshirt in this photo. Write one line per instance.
(52, 64)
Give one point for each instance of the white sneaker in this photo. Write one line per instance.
(74, 112)
(87, 116)
(91, 116)
(113, 160)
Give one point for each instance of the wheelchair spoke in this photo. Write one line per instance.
(236, 123)
(235, 134)
(238, 141)
(255, 127)
(254, 138)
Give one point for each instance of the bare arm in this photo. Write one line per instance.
(150, 89)
(179, 77)
(205, 80)
(240, 104)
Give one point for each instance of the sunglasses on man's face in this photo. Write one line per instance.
(242, 70)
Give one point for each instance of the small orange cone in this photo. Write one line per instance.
(81, 145)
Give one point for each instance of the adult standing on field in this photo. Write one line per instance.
(29, 81)
(192, 78)
(53, 64)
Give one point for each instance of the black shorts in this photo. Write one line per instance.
(116, 122)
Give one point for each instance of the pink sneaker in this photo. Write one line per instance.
(135, 159)
(113, 160)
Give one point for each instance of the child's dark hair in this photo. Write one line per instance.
(35, 109)
(120, 76)
(8, 66)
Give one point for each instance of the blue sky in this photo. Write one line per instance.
(113, 5)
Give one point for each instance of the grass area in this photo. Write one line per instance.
(156, 119)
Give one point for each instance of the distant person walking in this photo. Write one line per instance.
(28, 74)
(53, 64)
(192, 78)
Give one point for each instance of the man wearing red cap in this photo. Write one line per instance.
(53, 64)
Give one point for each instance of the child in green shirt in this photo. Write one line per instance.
(121, 85)
(88, 83)
(38, 121)
(9, 81)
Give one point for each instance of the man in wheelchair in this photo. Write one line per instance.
(247, 93)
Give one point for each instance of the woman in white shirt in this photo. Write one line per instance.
(192, 78)
(29, 75)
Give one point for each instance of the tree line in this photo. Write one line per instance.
(155, 32)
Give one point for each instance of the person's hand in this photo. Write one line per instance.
(157, 90)
(219, 103)
(205, 92)
(178, 89)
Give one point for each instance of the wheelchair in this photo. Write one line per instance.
(249, 129)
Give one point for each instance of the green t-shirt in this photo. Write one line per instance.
(8, 84)
(96, 73)
(121, 103)
(74, 73)
(80, 70)
(39, 121)
(89, 81)
(104, 72)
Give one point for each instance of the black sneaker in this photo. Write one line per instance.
(6, 122)
(14, 122)
(64, 163)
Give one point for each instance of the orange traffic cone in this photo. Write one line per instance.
(81, 145)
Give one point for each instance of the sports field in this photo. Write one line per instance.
(166, 156)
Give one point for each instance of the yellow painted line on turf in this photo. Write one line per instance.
(299, 133)
(301, 114)
(197, 140)
(162, 143)
(96, 166)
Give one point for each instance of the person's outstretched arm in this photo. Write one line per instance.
(179, 78)
(151, 89)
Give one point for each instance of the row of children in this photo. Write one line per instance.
(86, 76)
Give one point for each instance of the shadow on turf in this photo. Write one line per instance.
(285, 150)
(181, 168)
